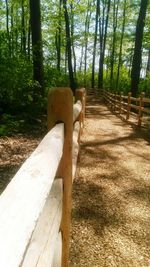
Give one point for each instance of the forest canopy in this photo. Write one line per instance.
(90, 43)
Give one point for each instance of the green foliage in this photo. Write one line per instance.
(145, 86)
(19, 93)
(9, 124)
(54, 77)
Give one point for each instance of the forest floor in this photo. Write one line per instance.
(17, 147)
(111, 193)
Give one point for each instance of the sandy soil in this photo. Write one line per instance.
(111, 194)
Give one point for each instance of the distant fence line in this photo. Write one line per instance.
(127, 105)
(35, 207)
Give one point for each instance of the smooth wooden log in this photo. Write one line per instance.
(129, 106)
(146, 100)
(25, 196)
(77, 108)
(58, 252)
(60, 108)
(146, 110)
(134, 99)
(121, 94)
(41, 248)
(81, 95)
(76, 145)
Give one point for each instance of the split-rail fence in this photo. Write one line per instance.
(35, 207)
(127, 106)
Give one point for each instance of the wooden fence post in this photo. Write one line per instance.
(115, 100)
(129, 106)
(60, 109)
(81, 95)
(141, 104)
(121, 94)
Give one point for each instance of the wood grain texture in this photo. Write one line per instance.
(75, 152)
(24, 198)
(43, 242)
(76, 110)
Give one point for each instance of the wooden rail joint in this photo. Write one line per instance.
(60, 108)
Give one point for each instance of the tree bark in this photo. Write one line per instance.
(58, 38)
(136, 63)
(35, 19)
(87, 26)
(23, 37)
(121, 43)
(115, 15)
(95, 42)
(102, 56)
(68, 45)
(7, 27)
(29, 37)
(72, 40)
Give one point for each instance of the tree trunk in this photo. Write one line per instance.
(68, 45)
(29, 37)
(115, 16)
(35, 16)
(12, 30)
(102, 56)
(23, 35)
(7, 27)
(121, 42)
(136, 63)
(95, 42)
(72, 40)
(58, 38)
(87, 26)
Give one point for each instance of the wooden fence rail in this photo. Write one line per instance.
(35, 207)
(128, 106)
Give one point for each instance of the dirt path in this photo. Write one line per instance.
(111, 194)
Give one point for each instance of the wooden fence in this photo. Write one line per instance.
(127, 106)
(35, 207)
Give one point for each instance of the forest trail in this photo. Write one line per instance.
(111, 193)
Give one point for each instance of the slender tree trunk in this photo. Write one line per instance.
(95, 42)
(12, 30)
(68, 44)
(87, 26)
(16, 31)
(101, 38)
(72, 40)
(102, 56)
(23, 37)
(115, 17)
(29, 38)
(35, 16)
(58, 37)
(121, 42)
(7, 27)
(66, 60)
(136, 63)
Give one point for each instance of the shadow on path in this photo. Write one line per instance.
(111, 194)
